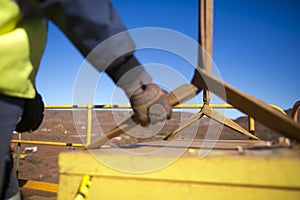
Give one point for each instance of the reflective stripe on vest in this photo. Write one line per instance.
(22, 44)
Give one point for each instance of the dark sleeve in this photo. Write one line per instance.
(87, 23)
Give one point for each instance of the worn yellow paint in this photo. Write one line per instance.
(129, 106)
(89, 124)
(43, 186)
(47, 143)
(221, 175)
(251, 125)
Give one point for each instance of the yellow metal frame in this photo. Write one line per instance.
(295, 111)
(84, 187)
(38, 185)
(45, 186)
(47, 143)
(89, 124)
(251, 122)
(221, 175)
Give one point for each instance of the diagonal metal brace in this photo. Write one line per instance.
(215, 115)
(219, 117)
(187, 123)
(249, 105)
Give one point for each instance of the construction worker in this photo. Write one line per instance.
(86, 23)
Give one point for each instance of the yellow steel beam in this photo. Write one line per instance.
(47, 143)
(201, 105)
(113, 106)
(89, 124)
(64, 106)
(129, 106)
(251, 125)
(38, 185)
(184, 106)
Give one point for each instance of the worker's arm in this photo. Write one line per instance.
(87, 23)
(90, 25)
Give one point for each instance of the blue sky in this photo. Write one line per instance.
(256, 47)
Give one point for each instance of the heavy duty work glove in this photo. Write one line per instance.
(150, 105)
(32, 116)
(148, 101)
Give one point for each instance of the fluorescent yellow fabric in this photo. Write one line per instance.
(21, 47)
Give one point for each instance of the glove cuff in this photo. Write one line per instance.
(136, 84)
(128, 73)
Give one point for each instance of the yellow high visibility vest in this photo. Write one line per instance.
(22, 43)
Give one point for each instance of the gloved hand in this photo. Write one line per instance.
(150, 104)
(32, 116)
(148, 101)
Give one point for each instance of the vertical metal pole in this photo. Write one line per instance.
(251, 125)
(18, 155)
(89, 124)
(205, 35)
